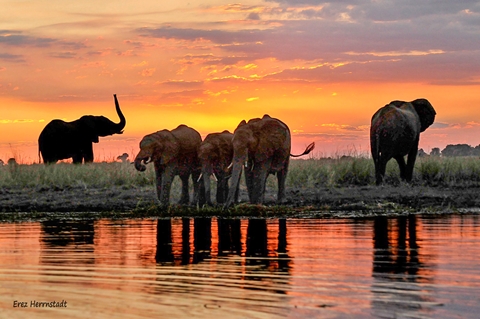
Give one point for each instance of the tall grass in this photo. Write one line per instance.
(336, 172)
(68, 175)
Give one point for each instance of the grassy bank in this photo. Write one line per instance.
(310, 173)
(320, 188)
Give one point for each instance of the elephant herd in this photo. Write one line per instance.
(257, 148)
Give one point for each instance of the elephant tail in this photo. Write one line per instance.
(307, 150)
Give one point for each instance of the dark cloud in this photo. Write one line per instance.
(15, 38)
(215, 36)
(432, 41)
(64, 55)
(11, 57)
(19, 39)
(253, 16)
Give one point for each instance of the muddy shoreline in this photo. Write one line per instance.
(140, 202)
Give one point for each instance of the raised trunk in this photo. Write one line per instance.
(121, 125)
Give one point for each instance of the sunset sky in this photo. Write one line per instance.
(322, 67)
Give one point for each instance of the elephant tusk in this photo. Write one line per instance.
(200, 177)
(215, 177)
(230, 166)
(148, 160)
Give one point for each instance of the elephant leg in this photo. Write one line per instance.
(88, 155)
(260, 181)
(412, 156)
(158, 180)
(380, 168)
(249, 180)
(185, 198)
(281, 178)
(206, 185)
(222, 190)
(199, 193)
(77, 158)
(165, 185)
(402, 166)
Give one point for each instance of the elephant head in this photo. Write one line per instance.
(159, 147)
(100, 126)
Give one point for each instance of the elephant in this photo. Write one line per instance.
(216, 153)
(395, 132)
(263, 147)
(61, 140)
(173, 153)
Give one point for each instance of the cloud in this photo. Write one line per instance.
(344, 127)
(182, 83)
(12, 57)
(18, 121)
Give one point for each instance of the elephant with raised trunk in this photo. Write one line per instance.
(61, 140)
(395, 133)
(263, 147)
(173, 153)
(216, 153)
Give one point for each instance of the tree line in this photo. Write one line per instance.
(452, 150)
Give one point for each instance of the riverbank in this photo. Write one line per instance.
(18, 204)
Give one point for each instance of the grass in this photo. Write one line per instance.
(309, 173)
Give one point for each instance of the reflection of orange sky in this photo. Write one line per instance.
(315, 246)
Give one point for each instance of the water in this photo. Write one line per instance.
(405, 267)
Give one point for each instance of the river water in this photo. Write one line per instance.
(403, 267)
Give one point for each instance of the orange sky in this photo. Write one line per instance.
(323, 68)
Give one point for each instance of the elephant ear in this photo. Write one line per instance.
(425, 111)
(87, 128)
(169, 148)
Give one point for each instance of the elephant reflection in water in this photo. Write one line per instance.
(229, 237)
(65, 233)
(229, 242)
(164, 252)
(398, 264)
(202, 241)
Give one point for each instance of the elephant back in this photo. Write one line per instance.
(188, 139)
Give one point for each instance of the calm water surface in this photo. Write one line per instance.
(405, 267)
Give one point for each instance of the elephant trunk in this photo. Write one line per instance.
(139, 164)
(206, 183)
(235, 179)
(121, 125)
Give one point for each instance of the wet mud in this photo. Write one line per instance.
(128, 202)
